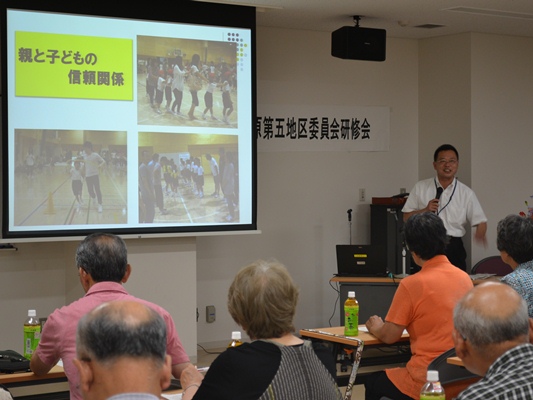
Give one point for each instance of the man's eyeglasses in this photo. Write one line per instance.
(443, 161)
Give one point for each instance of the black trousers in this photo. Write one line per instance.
(378, 385)
(456, 253)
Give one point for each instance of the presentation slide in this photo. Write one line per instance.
(126, 125)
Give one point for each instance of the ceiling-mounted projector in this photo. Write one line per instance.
(357, 43)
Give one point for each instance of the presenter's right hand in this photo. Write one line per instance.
(433, 206)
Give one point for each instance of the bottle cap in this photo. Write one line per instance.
(32, 313)
(351, 294)
(236, 335)
(432, 376)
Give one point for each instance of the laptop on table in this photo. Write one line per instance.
(361, 260)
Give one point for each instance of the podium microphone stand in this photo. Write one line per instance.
(404, 255)
(350, 223)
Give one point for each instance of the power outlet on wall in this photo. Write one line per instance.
(210, 314)
(362, 195)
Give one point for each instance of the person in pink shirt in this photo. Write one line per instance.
(103, 268)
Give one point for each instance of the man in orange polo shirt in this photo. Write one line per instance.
(423, 304)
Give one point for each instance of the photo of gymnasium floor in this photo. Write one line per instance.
(148, 116)
(46, 198)
(186, 206)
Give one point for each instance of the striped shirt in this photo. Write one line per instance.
(510, 377)
(301, 375)
(263, 370)
(521, 280)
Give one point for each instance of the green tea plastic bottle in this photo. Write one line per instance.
(32, 334)
(432, 389)
(235, 339)
(351, 315)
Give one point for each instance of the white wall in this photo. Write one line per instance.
(43, 276)
(31, 278)
(445, 101)
(502, 121)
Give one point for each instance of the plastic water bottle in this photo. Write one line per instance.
(351, 315)
(32, 334)
(432, 389)
(235, 339)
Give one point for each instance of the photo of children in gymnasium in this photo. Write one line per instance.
(188, 178)
(69, 177)
(185, 82)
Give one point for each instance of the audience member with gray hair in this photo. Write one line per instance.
(276, 364)
(515, 243)
(121, 350)
(491, 336)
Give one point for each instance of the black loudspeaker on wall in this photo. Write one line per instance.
(356, 43)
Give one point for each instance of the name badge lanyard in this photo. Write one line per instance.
(450, 199)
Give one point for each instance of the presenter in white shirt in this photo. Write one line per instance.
(452, 201)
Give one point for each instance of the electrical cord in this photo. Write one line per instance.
(208, 352)
(336, 300)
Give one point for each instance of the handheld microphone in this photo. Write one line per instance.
(439, 193)
(350, 214)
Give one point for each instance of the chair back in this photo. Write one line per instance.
(492, 265)
(453, 378)
(4, 393)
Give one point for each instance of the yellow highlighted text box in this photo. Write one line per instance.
(70, 66)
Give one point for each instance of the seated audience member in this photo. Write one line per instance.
(423, 304)
(491, 337)
(515, 243)
(103, 267)
(276, 364)
(121, 352)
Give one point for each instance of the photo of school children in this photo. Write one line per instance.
(186, 82)
(70, 177)
(188, 178)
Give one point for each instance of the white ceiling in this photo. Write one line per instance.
(401, 18)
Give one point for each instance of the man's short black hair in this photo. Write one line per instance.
(104, 256)
(445, 147)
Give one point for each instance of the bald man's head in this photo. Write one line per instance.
(118, 343)
(491, 313)
(122, 329)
